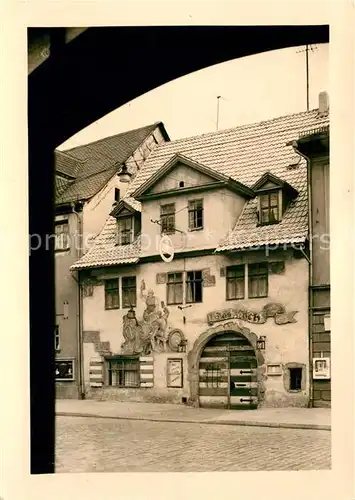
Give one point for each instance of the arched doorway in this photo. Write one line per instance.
(228, 373)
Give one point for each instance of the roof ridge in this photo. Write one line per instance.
(65, 153)
(111, 136)
(239, 127)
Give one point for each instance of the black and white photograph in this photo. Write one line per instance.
(180, 251)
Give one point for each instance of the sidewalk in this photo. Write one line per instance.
(291, 418)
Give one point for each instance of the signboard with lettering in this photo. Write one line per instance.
(271, 310)
(64, 369)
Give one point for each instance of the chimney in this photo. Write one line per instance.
(323, 108)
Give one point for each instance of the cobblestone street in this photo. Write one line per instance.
(108, 445)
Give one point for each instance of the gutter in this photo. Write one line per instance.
(80, 309)
(310, 271)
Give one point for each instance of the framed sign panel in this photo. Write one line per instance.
(65, 369)
(174, 372)
(321, 368)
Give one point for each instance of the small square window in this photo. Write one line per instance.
(129, 295)
(174, 288)
(123, 371)
(295, 379)
(194, 287)
(167, 218)
(112, 298)
(196, 214)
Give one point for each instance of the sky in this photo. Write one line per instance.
(252, 89)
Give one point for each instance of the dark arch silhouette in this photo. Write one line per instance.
(82, 80)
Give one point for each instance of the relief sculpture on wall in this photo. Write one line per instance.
(152, 333)
(271, 310)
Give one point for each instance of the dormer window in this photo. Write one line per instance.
(270, 207)
(125, 230)
(273, 196)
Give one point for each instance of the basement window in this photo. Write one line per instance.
(295, 379)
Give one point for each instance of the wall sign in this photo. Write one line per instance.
(321, 368)
(174, 373)
(274, 369)
(64, 369)
(327, 322)
(271, 310)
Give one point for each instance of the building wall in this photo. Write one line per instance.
(285, 344)
(93, 216)
(66, 303)
(218, 205)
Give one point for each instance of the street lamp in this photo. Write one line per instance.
(182, 345)
(124, 175)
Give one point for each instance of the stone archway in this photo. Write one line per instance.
(199, 344)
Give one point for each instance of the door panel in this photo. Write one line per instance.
(228, 373)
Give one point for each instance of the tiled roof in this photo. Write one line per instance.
(92, 165)
(245, 153)
(106, 252)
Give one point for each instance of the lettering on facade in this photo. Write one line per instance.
(272, 310)
(151, 334)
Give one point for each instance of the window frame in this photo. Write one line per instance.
(107, 281)
(194, 281)
(132, 359)
(194, 211)
(173, 284)
(57, 338)
(165, 228)
(125, 288)
(270, 206)
(57, 235)
(235, 279)
(257, 276)
(122, 233)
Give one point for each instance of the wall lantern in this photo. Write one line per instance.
(124, 175)
(182, 345)
(260, 343)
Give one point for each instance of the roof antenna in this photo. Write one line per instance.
(306, 51)
(218, 98)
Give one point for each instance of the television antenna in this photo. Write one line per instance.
(306, 50)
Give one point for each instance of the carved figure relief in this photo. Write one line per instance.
(152, 333)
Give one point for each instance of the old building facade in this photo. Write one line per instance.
(87, 185)
(196, 289)
(314, 145)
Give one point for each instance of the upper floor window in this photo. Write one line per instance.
(167, 218)
(129, 295)
(112, 298)
(269, 208)
(196, 214)
(62, 237)
(117, 195)
(235, 282)
(175, 288)
(258, 280)
(125, 230)
(193, 286)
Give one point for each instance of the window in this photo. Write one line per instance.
(235, 282)
(196, 214)
(123, 371)
(213, 376)
(62, 240)
(269, 208)
(258, 280)
(56, 338)
(295, 379)
(167, 218)
(174, 284)
(129, 296)
(125, 230)
(181, 184)
(112, 299)
(194, 287)
(117, 195)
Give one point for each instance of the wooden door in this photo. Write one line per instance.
(227, 373)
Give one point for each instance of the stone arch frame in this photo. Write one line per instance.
(199, 344)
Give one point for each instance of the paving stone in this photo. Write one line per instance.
(104, 445)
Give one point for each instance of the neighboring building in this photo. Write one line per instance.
(225, 322)
(86, 187)
(313, 144)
